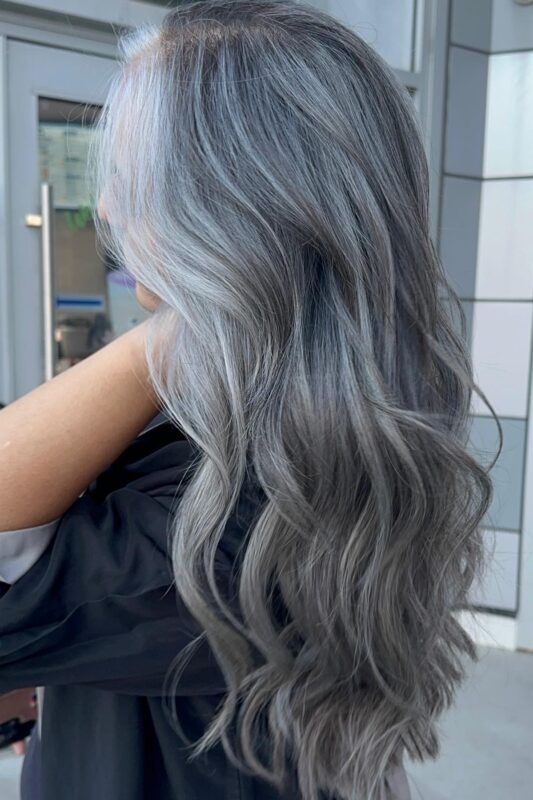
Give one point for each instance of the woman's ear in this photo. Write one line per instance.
(146, 298)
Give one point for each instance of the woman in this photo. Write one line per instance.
(255, 596)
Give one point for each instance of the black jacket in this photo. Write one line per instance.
(96, 620)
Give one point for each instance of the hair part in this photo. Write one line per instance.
(264, 174)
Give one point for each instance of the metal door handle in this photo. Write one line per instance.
(45, 221)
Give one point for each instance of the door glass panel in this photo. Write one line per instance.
(95, 297)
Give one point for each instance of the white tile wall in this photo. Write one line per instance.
(509, 116)
(501, 338)
(489, 136)
(505, 240)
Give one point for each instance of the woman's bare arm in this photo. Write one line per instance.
(57, 438)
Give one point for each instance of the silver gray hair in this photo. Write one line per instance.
(263, 173)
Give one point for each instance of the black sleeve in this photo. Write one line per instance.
(99, 607)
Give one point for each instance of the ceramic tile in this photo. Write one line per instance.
(508, 150)
(497, 588)
(501, 341)
(458, 232)
(507, 475)
(512, 26)
(465, 118)
(505, 243)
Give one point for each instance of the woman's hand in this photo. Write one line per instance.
(59, 437)
(19, 748)
(19, 704)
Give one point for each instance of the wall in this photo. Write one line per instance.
(486, 243)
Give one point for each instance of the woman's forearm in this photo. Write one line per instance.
(57, 438)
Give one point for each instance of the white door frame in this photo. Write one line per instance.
(30, 70)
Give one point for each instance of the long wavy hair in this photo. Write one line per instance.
(263, 173)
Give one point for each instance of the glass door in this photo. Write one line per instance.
(68, 298)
